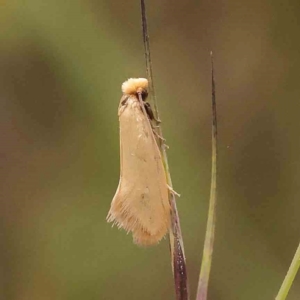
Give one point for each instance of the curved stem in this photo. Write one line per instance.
(178, 260)
(290, 276)
(211, 220)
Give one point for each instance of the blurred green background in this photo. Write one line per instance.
(61, 67)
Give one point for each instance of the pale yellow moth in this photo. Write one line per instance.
(141, 204)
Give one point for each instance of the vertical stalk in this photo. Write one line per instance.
(178, 260)
(211, 220)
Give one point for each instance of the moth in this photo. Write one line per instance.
(141, 203)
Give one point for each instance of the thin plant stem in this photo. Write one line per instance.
(290, 276)
(178, 260)
(211, 220)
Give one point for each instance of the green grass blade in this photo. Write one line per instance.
(211, 221)
(290, 276)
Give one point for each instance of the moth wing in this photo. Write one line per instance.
(141, 203)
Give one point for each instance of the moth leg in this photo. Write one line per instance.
(149, 110)
(158, 121)
(172, 191)
(151, 117)
(150, 113)
(163, 140)
(158, 136)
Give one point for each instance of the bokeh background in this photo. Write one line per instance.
(61, 67)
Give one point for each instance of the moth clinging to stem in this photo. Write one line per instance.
(141, 203)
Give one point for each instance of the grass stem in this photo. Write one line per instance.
(178, 260)
(290, 276)
(211, 220)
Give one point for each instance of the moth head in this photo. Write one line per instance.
(135, 86)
